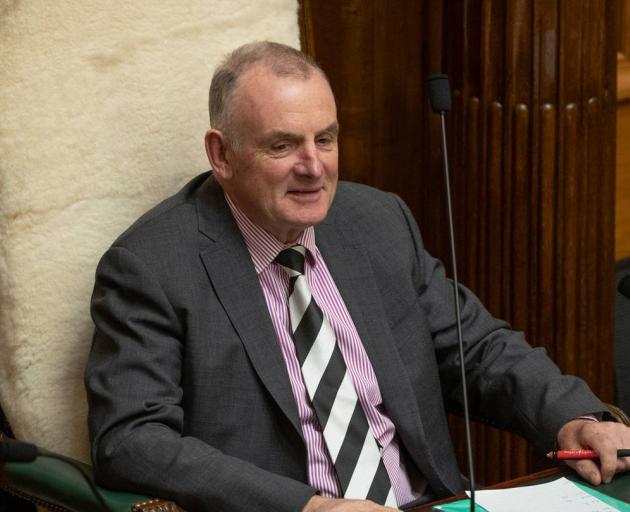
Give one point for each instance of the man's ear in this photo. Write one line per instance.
(216, 149)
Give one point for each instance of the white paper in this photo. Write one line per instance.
(558, 496)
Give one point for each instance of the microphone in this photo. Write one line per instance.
(439, 93)
(440, 99)
(16, 451)
(624, 287)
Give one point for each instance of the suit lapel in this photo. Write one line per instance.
(231, 271)
(345, 257)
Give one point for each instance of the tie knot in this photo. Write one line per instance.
(292, 259)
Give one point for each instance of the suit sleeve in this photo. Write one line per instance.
(133, 381)
(511, 385)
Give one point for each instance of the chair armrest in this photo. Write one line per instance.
(58, 486)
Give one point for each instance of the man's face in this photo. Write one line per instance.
(283, 174)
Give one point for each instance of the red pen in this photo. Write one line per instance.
(581, 454)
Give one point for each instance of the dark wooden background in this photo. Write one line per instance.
(532, 145)
(622, 196)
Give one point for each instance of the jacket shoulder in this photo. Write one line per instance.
(173, 213)
(361, 203)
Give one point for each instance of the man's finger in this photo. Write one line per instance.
(603, 441)
(608, 465)
(623, 464)
(587, 469)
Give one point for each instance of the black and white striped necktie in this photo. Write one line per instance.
(351, 444)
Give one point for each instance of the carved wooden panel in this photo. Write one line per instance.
(622, 230)
(531, 138)
(541, 254)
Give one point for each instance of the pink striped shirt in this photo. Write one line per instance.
(263, 248)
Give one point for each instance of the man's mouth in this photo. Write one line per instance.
(306, 193)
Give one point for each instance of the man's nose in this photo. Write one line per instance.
(309, 163)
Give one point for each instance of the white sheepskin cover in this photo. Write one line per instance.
(103, 108)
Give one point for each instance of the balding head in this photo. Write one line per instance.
(281, 60)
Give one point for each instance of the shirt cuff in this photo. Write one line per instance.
(590, 417)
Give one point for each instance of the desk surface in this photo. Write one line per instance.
(619, 488)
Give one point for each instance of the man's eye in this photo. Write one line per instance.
(278, 148)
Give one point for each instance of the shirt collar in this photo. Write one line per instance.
(263, 247)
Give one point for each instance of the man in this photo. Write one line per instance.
(269, 339)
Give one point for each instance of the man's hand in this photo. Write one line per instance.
(321, 504)
(605, 438)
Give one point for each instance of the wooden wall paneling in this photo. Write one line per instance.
(623, 28)
(567, 271)
(479, 179)
(622, 231)
(546, 111)
(553, 198)
(475, 209)
(531, 160)
(548, 137)
(572, 254)
(605, 194)
(605, 197)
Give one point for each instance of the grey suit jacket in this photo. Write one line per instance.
(189, 395)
